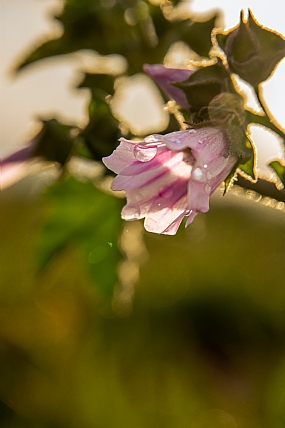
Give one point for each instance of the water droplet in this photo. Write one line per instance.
(139, 197)
(144, 154)
(131, 212)
(151, 224)
(151, 138)
(199, 174)
(205, 166)
(166, 193)
(209, 175)
(207, 188)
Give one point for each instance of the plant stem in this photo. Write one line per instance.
(264, 121)
(262, 187)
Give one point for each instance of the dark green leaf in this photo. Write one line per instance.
(279, 170)
(248, 168)
(54, 142)
(230, 179)
(101, 85)
(199, 36)
(136, 30)
(253, 51)
(102, 132)
(204, 85)
(82, 215)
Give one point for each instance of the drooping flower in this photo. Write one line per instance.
(169, 177)
(164, 77)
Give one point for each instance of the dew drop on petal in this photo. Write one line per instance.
(139, 197)
(207, 188)
(143, 154)
(131, 212)
(151, 224)
(198, 174)
(152, 139)
(209, 175)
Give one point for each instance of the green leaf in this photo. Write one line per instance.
(252, 51)
(199, 36)
(80, 214)
(204, 85)
(102, 133)
(54, 142)
(248, 168)
(246, 164)
(279, 170)
(100, 85)
(136, 30)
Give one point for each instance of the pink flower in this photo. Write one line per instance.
(168, 177)
(164, 77)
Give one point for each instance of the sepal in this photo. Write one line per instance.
(252, 51)
(204, 85)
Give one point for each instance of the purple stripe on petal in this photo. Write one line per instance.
(160, 221)
(169, 177)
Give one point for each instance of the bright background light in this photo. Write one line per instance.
(46, 89)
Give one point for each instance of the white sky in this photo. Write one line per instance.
(45, 89)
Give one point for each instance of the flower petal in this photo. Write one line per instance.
(164, 76)
(167, 219)
(198, 196)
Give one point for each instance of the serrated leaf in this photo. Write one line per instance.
(80, 214)
(279, 170)
(252, 51)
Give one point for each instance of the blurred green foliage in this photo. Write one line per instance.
(78, 213)
(206, 332)
(136, 29)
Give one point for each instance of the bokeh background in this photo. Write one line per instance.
(200, 341)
